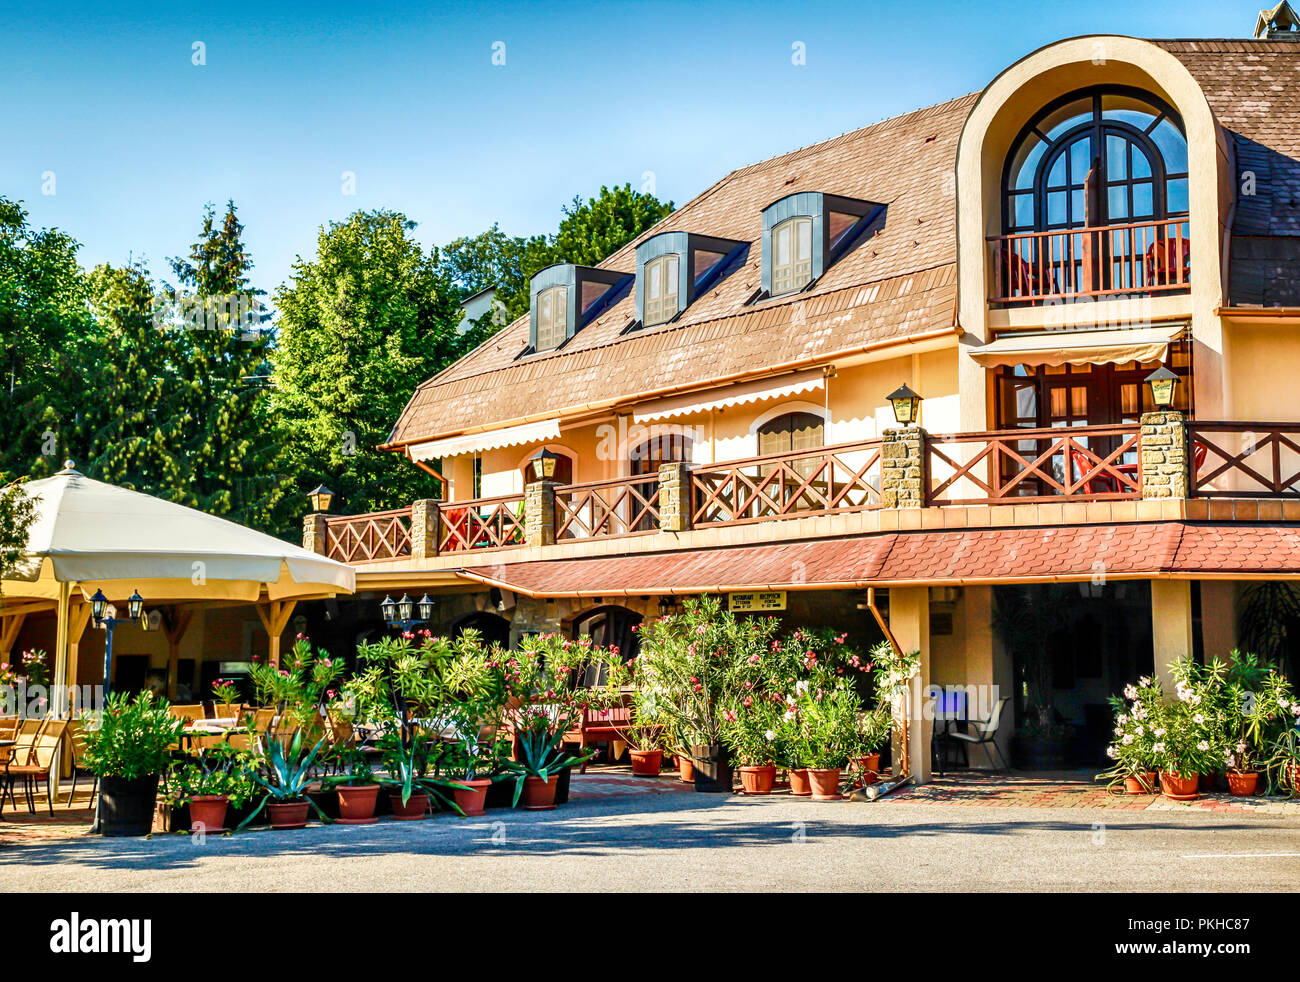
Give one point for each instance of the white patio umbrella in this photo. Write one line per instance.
(90, 536)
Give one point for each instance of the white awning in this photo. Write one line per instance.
(733, 395)
(1079, 347)
(510, 436)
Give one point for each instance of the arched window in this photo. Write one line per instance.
(791, 255)
(661, 290)
(792, 432)
(1107, 156)
(552, 318)
(668, 447)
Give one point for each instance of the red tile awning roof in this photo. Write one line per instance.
(1007, 555)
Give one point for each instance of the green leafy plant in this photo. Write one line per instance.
(225, 693)
(1138, 727)
(35, 663)
(541, 706)
(828, 722)
(131, 737)
(220, 770)
(301, 686)
(285, 775)
(356, 770)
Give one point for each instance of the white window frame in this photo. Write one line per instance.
(795, 274)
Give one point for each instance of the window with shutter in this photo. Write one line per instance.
(791, 256)
(661, 290)
(552, 318)
(792, 432)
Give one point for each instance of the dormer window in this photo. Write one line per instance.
(661, 290)
(566, 297)
(552, 317)
(791, 255)
(806, 232)
(673, 268)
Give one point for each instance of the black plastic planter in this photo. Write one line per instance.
(126, 807)
(713, 770)
(562, 785)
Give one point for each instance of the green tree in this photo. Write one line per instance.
(16, 513)
(589, 232)
(43, 323)
(360, 325)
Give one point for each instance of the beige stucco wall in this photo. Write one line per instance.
(1003, 108)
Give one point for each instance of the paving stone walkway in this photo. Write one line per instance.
(1075, 790)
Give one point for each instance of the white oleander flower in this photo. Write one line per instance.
(1198, 719)
(1141, 731)
(1128, 739)
(1159, 748)
(1159, 731)
(1112, 752)
(1130, 692)
(1203, 745)
(770, 735)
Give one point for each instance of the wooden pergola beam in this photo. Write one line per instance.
(275, 617)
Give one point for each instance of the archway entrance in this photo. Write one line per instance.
(492, 628)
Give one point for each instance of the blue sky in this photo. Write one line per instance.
(407, 98)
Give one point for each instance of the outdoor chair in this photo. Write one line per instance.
(189, 713)
(40, 762)
(77, 748)
(983, 734)
(8, 727)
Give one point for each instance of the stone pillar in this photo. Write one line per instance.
(424, 528)
(909, 621)
(314, 538)
(902, 468)
(1171, 627)
(674, 497)
(539, 513)
(1164, 455)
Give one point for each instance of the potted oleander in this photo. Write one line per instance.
(1138, 728)
(1188, 733)
(644, 728)
(128, 746)
(542, 709)
(284, 776)
(698, 660)
(873, 730)
(828, 720)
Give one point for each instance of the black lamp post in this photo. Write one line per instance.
(1163, 382)
(399, 613)
(320, 498)
(98, 607)
(544, 464)
(906, 403)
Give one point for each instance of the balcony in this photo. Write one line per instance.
(1241, 460)
(1138, 259)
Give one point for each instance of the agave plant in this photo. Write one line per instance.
(288, 771)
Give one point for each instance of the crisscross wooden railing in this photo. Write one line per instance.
(800, 483)
(1082, 463)
(371, 537)
(620, 506)
(1244, 459)
(1098, 262)
(481, 523)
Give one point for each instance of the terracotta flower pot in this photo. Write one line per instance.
(686, 769)
(473, 800)
(1180, 787)
(825, 783)
(647, 762)
(1135, 785)
(539, 795)
(868, 778)
(758, 779)
(357, 804)
(413, 810)
(868, 763)
(1242, 784)
(288, 814)
(208, 813)
(799, 785)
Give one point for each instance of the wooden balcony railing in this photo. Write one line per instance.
(1094, 463)
(481, 523)
(1244, 459)
(828, 480)
(1138, 258)
(374, 536)
(621, 506)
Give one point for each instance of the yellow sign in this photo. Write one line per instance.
(746, 603)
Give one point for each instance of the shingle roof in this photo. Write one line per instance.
(969, 555)
(899, 283)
